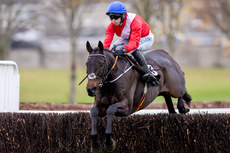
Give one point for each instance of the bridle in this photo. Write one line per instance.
(105, 72)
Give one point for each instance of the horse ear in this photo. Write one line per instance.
(88, 47)
(100, 46)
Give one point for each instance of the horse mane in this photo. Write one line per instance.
(107, 50)
(127, 58)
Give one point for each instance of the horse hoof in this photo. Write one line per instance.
(110, 148)
(96, 149)
(187, 108)
(184, 110)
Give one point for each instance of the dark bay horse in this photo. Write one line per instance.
(120, 91)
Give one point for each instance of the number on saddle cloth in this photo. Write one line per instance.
(153, 70)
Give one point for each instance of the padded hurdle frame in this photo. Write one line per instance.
(9, 86)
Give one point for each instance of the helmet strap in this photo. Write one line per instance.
(123, 16)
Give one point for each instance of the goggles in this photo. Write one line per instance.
(114, 17)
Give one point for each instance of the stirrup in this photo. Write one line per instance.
(149, 77)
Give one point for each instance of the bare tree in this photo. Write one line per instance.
(214, 14)
(73, 11)
(11, 20)
(169, 18)
(144, 8)
(162, 16)
(219, 12)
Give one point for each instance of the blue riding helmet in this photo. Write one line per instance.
(116, 8)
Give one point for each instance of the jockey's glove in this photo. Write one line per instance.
(119, 52)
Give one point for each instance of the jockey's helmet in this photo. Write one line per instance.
(116, 7)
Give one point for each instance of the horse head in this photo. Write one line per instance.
(96, 68)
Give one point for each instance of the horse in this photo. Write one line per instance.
(120, 91)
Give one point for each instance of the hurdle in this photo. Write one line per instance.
(9, 86)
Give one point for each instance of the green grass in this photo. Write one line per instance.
(208, 84)
(46, 85)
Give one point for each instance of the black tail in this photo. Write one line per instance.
(187, 98)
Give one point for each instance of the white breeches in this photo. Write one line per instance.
(145, 42)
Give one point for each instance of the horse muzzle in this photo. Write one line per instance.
(91, 91)
(93, 84)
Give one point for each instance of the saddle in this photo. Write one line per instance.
(137, 67)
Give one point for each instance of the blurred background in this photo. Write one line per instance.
(47, 40)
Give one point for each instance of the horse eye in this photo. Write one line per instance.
(101, 64)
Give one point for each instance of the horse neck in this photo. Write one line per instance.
(116, 67)
(110, 59)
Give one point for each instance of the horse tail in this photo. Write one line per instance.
(187, 98)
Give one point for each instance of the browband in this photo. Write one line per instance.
(94, 55)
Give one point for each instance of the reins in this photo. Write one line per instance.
(125, 71)
(95, 55)
(103, 79)
(115, 62)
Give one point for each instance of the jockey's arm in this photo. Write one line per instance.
(134, 39)
(109, 34)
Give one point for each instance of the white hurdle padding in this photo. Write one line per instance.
(9, 86)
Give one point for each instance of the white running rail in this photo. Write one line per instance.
(9, 86)
(143, 112)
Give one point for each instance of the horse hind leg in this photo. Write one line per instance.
(183, 104)
(169, 103)
(180, 105)
(187, 98)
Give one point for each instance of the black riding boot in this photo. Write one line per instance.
(148, 77)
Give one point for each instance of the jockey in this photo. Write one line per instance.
(134, 33)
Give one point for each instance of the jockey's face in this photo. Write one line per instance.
(115, 18)
(116, 21)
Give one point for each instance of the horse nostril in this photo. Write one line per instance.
(91, 91)
(94, 89)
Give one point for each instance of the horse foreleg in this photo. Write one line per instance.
(169, 103)
(96, 146)
(120, 107)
